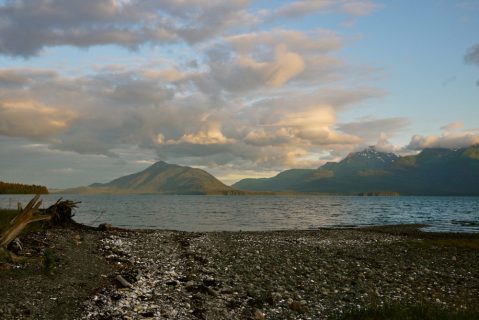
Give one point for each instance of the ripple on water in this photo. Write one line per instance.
(215, 213)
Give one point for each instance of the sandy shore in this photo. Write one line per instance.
(237, 275)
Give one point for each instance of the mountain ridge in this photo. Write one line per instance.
(436, 171)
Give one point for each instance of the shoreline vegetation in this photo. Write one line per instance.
(81, 272)
(19, 188)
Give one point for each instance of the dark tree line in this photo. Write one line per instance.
(18, 188)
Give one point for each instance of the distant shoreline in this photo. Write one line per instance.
(272, 193)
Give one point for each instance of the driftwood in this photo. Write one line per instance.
(62, 212)
(123, 281)
(58, 214)
(24, 217)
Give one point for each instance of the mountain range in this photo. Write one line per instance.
(435, 171)
(368, 172)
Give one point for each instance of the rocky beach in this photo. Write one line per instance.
(318, 274)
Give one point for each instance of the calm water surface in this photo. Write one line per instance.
(232, 213)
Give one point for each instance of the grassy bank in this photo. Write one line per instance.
(422, 311)
(5, 217)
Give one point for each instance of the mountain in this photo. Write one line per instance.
(161, 178)
(330, 175)
(284, 181)
(431, 172)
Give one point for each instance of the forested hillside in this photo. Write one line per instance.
(18, 188)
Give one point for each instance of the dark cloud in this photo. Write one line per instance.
(472, 55)
(30, 25)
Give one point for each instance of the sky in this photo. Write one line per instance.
(95, 89)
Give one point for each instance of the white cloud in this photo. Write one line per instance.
(452, 126)
(210, 133)
(301, 8)
(317, 41)
(359, 8)
(285, 67)
(451, 138)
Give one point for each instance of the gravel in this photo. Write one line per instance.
(276, 275)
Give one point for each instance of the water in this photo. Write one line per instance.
(253, 213)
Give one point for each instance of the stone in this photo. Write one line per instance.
(258, 315)
(273, 298)
(171, 283)
(209, 281)
(148, 314)
(190, 285)
(105, 227)
(296, 306)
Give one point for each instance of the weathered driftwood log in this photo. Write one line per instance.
(58, 214)
(24, 217)
(18, 223)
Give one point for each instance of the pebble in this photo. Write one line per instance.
(258, 315)
(270, 275)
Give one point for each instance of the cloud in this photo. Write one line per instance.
(451, 138)
(306, 127)
(317, 41)
(243, 73)
(371, 129)
(254, 61)
(210, 134)
(29, 163)
(301, 8)
(21, 116)
(452, 126)
(472, 55)
(359, 8)
(168, 113)
(285, 67)
(258, 100)
(384, 145)
(306, 7)
(259, 61)
(30, 25)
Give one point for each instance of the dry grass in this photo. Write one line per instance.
(423, 311)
